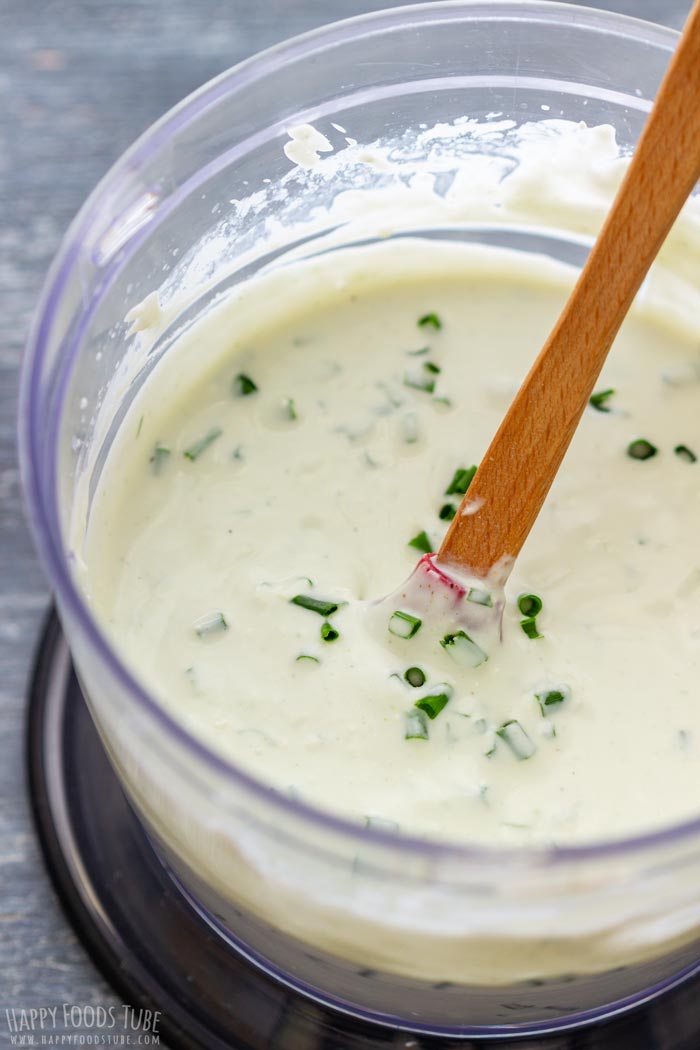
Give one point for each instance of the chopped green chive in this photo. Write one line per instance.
(403, 625)
(424, 378)
(416, 725)
(478, 597)
(530, 604)
(529, 626)
(159, 457)
(552, 697)
(430, 321)
(243, 385)
(210, 623)
(329, 633)
(395, 400)
(415, 676)
(463, 650)
(409, 428)
(289, 408)
(600, 399)
(641, 449)
(421, 543)
(196, 450)
(513, 734)
(447, 512)
(317, 605)
(307, 656)
(685, 453)
(435, 701)
(418, 353)
(461, 481)
(382, 824)
(682, 375)
(138, 429)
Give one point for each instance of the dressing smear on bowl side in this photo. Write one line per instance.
(285, 467)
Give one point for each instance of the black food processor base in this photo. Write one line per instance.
(160, 954)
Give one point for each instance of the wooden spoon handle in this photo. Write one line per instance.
(521, 463)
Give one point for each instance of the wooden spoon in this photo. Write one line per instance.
(520, 465)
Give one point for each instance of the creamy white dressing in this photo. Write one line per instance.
(313, 484)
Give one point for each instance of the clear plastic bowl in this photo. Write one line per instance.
(452, 940)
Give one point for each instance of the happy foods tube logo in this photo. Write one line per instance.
(72, 1024)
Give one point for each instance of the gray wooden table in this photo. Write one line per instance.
(79, 80)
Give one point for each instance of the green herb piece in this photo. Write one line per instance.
(409, 428)
(159, 457)
(403, 625)
(529, 626)
(383, 824)
(416, 725)
(447, 512)
(685, 453)
(430, 321)
(463, 649)
(682, 375)
(641, 449)
(317, 605)
(552, 697)
(210, 623)
(138, 429)
(394, 399)
(421, 543)
(243, 385)
(478, 597)
(446, 401)
(418, 353)
(424, 378)
(600, 399)
(289, 408)
(513, 734)
(461, 481)
(307, 656)
(435, 701)
(530, 604)
(195, 451)
(328, 632)
(415, 676)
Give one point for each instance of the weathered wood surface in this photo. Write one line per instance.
(79, 80)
